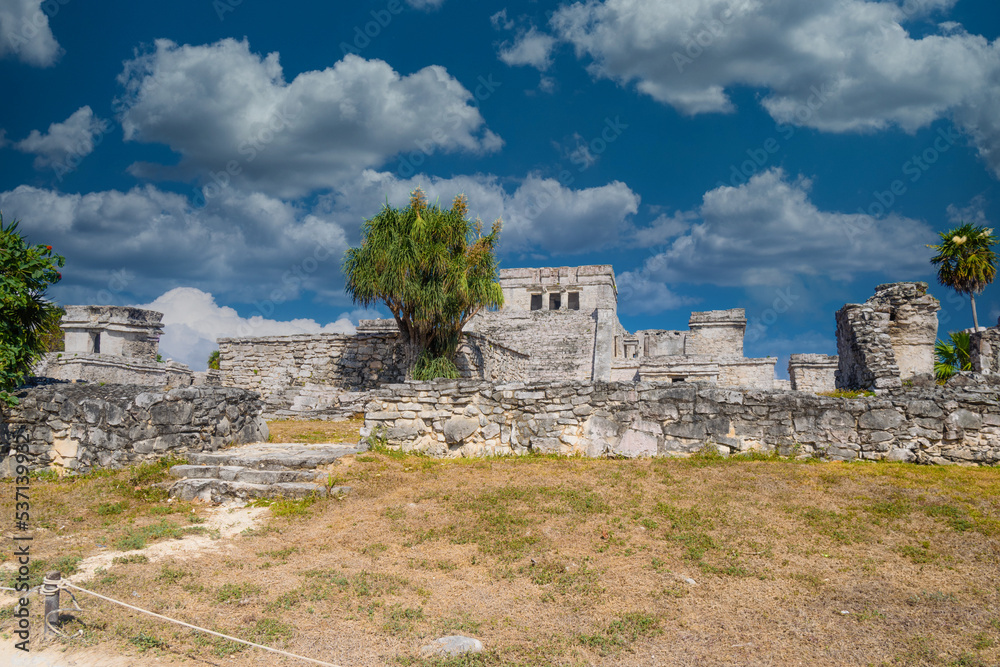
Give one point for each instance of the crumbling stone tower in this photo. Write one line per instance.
(112, 330)
(887, 339)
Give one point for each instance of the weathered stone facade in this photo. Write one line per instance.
(467, 418)
(80, 426)
(814, 373)
(113, 345)
(985, 348)
(888, 339)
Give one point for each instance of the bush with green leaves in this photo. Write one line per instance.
(213, 359)
(26, 315)
(953, 355)
(432, 267)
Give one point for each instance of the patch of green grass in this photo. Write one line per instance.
(369, 584)
(39, 567)
(131, 559)
(145, 642)
(172, 575)
(842, 527)
(279, 554)
(896, 508)
(110, 509)
(682, 518)
(286, 506)
(622, 633)
(375, 549)
(920, 555)
(138, 538)
(236, 592)
(563, 578)
(955, 517)
(400, 619)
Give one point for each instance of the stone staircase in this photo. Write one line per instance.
(260, 470)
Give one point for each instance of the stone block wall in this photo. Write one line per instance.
(271, 365)
(985, 348)
(559, 344)
(756, 373)
(716, 333)
(887, 339)
(467, 418)
(480, 358)
(813, 373)
(108, 369)
(78, 427)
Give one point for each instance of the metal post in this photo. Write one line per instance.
(50, 589)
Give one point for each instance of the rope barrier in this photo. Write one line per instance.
(65, 585)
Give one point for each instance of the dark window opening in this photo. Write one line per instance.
(97, 342)
(536, 301)
(574, 301)
(554, 302)
(677, 379)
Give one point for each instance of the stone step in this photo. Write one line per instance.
(243, 474)
(276, 456)
(217, 490)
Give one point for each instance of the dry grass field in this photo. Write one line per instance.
(549, 561)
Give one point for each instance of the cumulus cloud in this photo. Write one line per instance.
(539, 214)
(834, 65)
(767, 233)
(641, 295)
(193, 321)
(532, 48)
(26, 35)
(233, 118)
(245, 246)
(75, 137)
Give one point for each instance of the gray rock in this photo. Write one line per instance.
(458, 429)
(451, 646)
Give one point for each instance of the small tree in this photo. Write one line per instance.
(966, 261)
(213, 359)
(433, 268)
(26, 316)
(953, 355)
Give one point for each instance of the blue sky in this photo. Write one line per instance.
(214, 159)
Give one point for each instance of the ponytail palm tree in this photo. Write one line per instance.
(433, 268)
(966, 261)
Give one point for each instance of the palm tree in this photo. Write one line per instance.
(966, 261)
(952, 356)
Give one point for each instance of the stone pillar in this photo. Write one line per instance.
(604, 344)
(984, 346)
(912, 325)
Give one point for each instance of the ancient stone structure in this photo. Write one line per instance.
(557, 323)
(79, 426)
(814, 373)
(888, 339)
(467, 418)
(985, 350)
(113, 345)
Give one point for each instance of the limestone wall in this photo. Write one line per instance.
(559, 344)
(716, 333)
(271, 365)
(78, 427)
(813, 373)
(985, 348)
(887, 339)
(108, 369)
(484, 359)
(467, 418)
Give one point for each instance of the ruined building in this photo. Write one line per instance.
(888, 339)
(112, 345)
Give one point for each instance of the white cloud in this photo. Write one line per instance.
(247, 247)
(640, 295)
(193, 321)
(834, 65)
(540, 215)
(974, 212)
(500, 20)
(768, 233)
(426, 5)
(25, 33)
(76, 136)
(531, 48)
(233, 119)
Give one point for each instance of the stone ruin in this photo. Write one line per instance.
(887, 340)
(113, 345)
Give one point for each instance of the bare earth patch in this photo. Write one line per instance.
(578, 562)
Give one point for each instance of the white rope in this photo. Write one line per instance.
(195, 627)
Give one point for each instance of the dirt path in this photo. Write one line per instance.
(229, 520)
